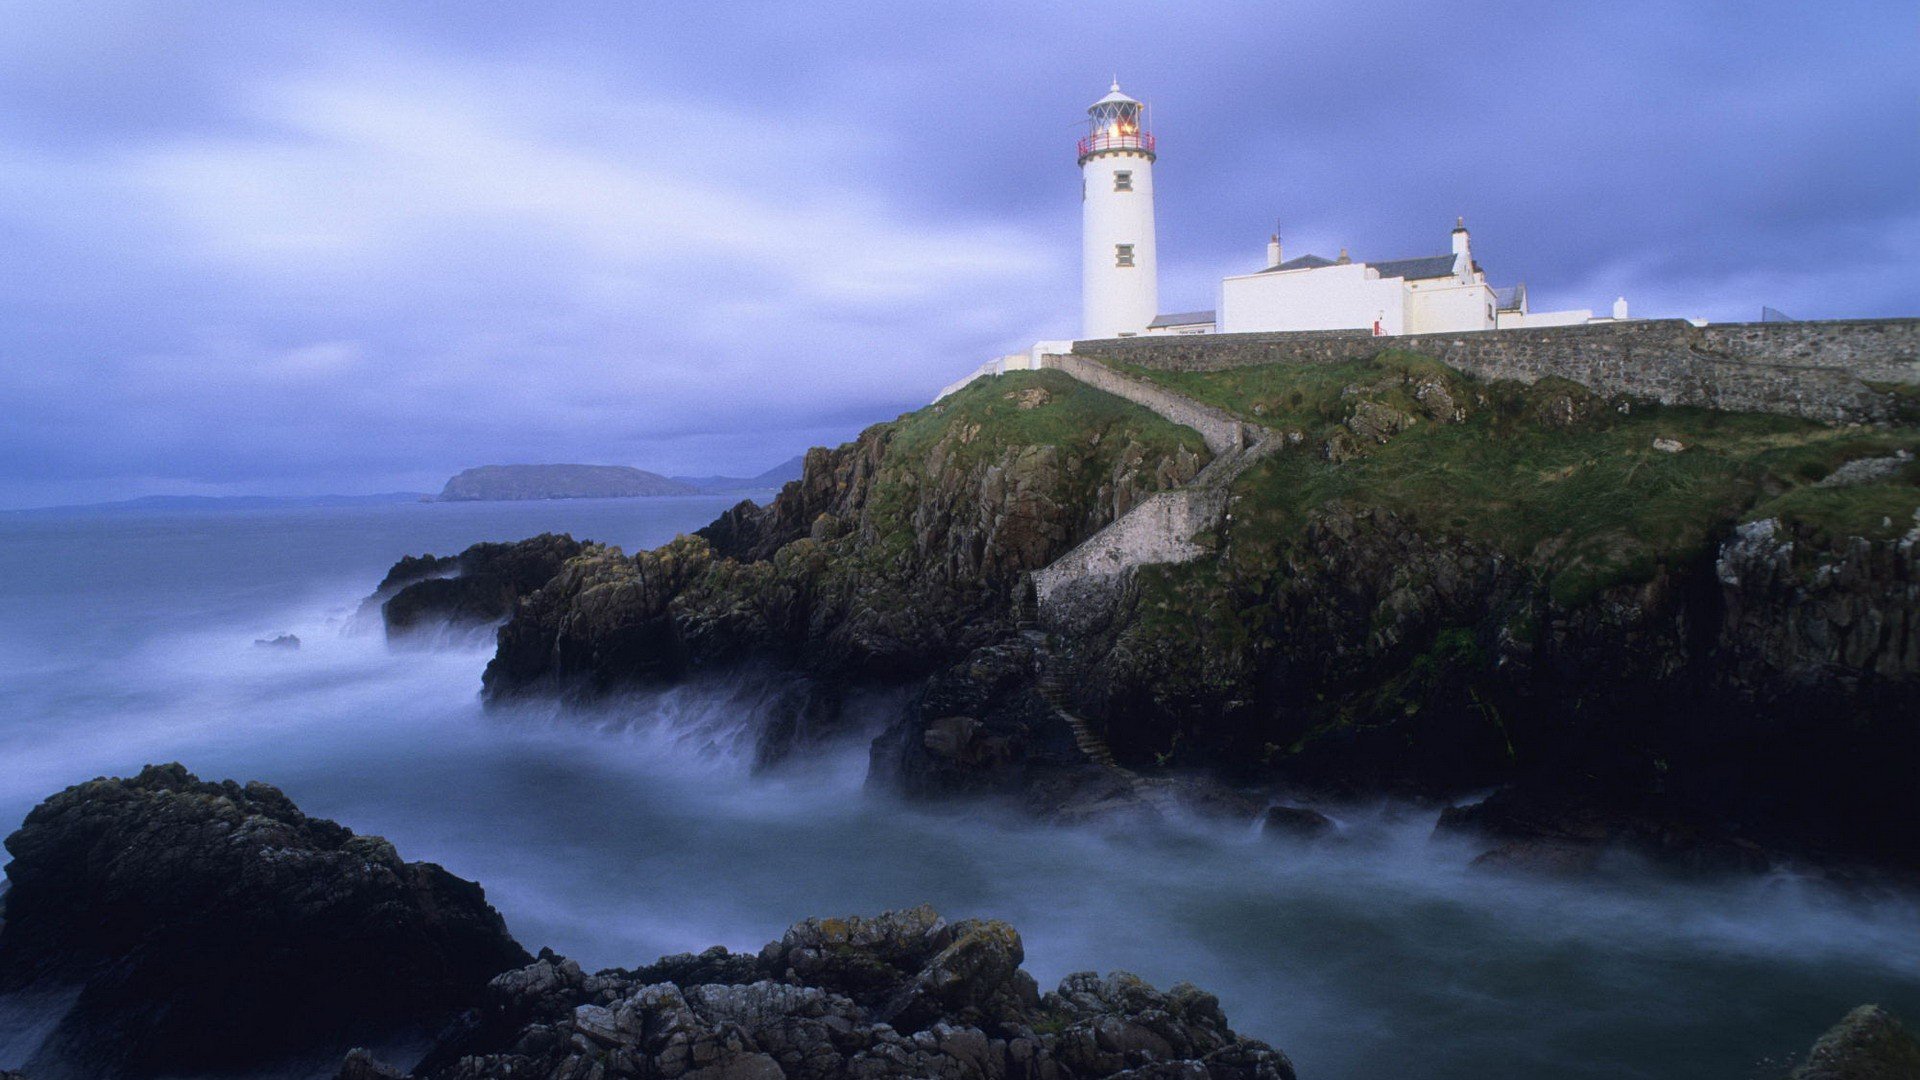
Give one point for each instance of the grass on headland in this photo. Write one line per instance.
(1028, 421)
(1035, 408)
(1546, 473)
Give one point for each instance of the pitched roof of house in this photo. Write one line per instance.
(1427, 266)
(1184, 318)
(1304, 262)
(1511, 298)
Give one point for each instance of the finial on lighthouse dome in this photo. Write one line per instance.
(1114, 95)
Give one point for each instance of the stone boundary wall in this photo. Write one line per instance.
(1817, 370)
(1222, 431)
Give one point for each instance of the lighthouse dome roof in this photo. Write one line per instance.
(1114, 96)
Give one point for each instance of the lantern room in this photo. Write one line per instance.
(1116, 123)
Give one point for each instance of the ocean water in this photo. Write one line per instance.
(637, 829)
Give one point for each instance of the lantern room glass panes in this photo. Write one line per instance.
(1116, 125)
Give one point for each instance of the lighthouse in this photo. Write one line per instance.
(1119, 276)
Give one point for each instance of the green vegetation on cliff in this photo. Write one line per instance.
(1025, 433)
(1440, 576)
(1589, 492)
(895, 553)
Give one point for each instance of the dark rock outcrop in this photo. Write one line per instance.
(478, 586)
(982, 728)
(1867, 1044)
(1295, 823)
(215, 926)
(1567, 828)
(906, 994)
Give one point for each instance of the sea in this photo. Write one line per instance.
(639, 828)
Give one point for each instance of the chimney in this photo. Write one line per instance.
(1343, 260)
(1620, 309)
(1273, 251)
(1460, 241)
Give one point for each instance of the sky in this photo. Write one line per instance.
(299, 248)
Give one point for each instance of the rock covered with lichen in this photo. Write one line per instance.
(1867, 1044)
(904, 994)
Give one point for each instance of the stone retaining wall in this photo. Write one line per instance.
(1819, 370)
(1077, 590)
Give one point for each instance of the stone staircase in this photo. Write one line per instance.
(1161, 528)
(1057, 676)
(1053, 684)
(1077, 588)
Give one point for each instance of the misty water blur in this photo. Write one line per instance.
(638, 828)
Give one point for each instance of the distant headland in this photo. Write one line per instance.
(506, 482)
(513, 482)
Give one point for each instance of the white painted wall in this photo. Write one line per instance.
(1513, 320)
(986, 370)
(1329, 298)
(1117, 300)
(1445, 306)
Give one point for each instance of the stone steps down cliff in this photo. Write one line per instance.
(1160, 529)
(1053, 684)
(1081, 584)
(1158, 796)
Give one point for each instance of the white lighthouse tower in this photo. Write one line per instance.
(1119, 282)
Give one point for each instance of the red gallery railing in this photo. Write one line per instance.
(1094, 144)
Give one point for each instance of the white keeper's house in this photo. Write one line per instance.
(1445, 292)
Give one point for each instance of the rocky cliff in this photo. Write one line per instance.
(1686, 630)
(1689, 632)
(215, 927)
(893, 555)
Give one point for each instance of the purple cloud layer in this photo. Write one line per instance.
(255, 248)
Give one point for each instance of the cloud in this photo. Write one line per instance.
(490, 262)
(274, 248)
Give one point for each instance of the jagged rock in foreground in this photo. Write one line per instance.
(215, 926)
(906, 994)
(478, 586)
(1867, 1044)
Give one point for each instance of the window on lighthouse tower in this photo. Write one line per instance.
(1123, 180)
(1123, 254)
